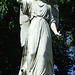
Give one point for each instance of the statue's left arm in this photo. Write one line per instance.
(54, 21)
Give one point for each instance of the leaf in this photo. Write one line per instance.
(0, 3)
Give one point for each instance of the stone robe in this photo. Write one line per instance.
(37, 58)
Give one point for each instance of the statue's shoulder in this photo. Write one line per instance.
(40, 3)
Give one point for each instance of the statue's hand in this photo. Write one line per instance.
(54, 29)
(58, 34)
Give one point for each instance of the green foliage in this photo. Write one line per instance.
(61, 55)
(0, 72)
(63, 1)
(3, 7)
(62, 59)
(10, 50)
(73, 73)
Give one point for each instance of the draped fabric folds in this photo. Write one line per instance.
(37, 57)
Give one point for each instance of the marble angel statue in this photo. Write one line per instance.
(37, 19)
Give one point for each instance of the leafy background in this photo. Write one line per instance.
(11, 51)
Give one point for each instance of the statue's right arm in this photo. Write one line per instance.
(20, 1)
